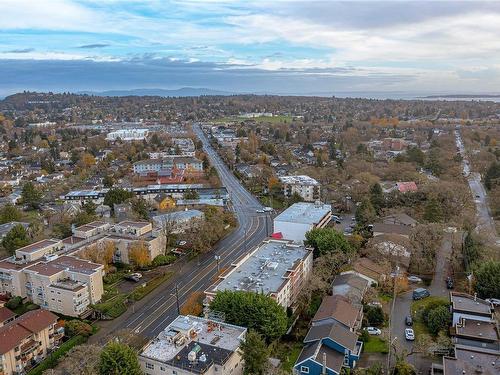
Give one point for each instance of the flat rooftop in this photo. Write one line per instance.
(304, 213)
(478, 329)
(298, 180)
(37, 246)
(68, 285)
(472, 361)
(264, 269)
(466, 302)
(216, 341)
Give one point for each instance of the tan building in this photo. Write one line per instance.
(27, 339)
(277, 268)
(66, 284)
(194, 345)
(39, 249)
(306, 187)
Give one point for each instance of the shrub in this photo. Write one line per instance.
(77, 327)
(438, 319)
(14, 303)
(374, 315)
(162, 260)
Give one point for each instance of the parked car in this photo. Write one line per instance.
(260, 211)
(268, 209)
(136, 277)
(409, 334)
(375, 304)
(414, 279)
(373, 331)
(420, 293)
(494, 301)
(449, 282)
(408, 320)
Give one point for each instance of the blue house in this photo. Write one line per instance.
(327, 349)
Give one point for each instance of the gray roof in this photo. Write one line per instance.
(304, 213)
(336, 332)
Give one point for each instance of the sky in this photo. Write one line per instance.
(281, 47)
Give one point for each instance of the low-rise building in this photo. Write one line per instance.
(277, 268)
(127, 135)
(193, 345)
(299, 218)
(306, 187)
(27, 340)
(39, 249)
(6, 315)
(338, 309)
(465, 306)
(65, 284)
(179, 221)
(187, 163)
(328, 348)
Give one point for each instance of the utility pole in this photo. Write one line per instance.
(217, 259)
(177, 299)
(245, 240)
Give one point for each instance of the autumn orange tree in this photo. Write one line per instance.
(194, 304)
(139, 254)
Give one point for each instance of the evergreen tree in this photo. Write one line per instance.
(17, 237)
(487, 277)
(365, 213)
(255, 354)
(377, 198)
(118, 359)
(433, 212)
(31, 196)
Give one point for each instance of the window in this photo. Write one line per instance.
(304, 369)
(150, 366)
(162, 368)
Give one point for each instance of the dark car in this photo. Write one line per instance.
(420, 293)
(449, 282)
(408, 320)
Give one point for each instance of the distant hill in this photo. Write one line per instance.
(182, 92)
(462, 96)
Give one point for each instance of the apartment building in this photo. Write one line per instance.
(299, 218)
(278, 268)
(190, 164)
(65, 284)
(39, 249)
(306, 187)
(27, 340)
(194, 345)
(128, 135)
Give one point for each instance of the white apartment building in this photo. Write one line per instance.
(65, 284)
(128, 134)
(188, 163)
(194, 345)
(277, 268)
(307, 187)
(299, 218)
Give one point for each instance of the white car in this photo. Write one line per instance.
(373, 331)
(260, 211)
(268, 209)
(375, 304)
(409, 334)
(494, 301)
(414, 279)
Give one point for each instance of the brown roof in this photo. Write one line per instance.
(466, 302)
(336, 332)
(308, 351)
(477, 330)
(6, 314)
(12, 334)
(368, 268)
(472, 361)
(339, 308)
(403, 230)
(38, 246)
(45, 269)
(136, 224)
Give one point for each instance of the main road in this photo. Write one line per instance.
(151, 315)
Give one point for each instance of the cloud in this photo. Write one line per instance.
(22, 50)
(95, 45)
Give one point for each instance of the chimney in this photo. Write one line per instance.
(324, 364)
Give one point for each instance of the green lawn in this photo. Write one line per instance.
(113, 307)
(375, 345)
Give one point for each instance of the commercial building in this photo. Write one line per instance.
(128, 135)
(193, 345)
(299, 218)
(27, 340)
(306, 187)
(278, 268)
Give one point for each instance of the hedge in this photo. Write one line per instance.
(52, 360)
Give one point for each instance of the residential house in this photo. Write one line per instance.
(351, 286)
(400, 219)
(179, 221)
(163, 202)
(338, 309)
(328, 349)
(6, 315)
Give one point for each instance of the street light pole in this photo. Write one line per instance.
(217, 258)
(177, 299)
